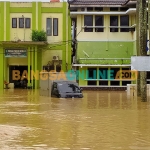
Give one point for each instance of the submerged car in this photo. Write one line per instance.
(66, 89)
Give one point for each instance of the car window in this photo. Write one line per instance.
(68, 88)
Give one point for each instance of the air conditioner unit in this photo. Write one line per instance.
(55, 57)
(83, 9)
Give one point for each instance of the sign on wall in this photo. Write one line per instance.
(15, 53)
(140, 63)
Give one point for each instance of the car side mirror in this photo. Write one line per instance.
(81, 89)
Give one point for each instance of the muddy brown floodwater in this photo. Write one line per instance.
(100, 121)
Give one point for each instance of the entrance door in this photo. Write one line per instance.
(21, 69)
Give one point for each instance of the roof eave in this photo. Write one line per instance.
(78, 6)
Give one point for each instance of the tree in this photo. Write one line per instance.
(142, 46)
(137, 44)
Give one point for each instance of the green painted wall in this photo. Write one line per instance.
(33, 15)
(1, 68)
(8, 24)
(105, 50)
(2, 21)
(64, 39)
(36, 19)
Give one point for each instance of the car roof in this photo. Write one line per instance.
(63, 81)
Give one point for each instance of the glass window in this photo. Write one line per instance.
(68, 88)
(98, 8)
(14, 22)
(88, 21)
(124, 21)
(55, 27)
(113, 22)
(92, 74)
(113, 8)
(123, 8)
(27, 22)
(49, 26)
(99, 22)
(21, 22)
(89, 8)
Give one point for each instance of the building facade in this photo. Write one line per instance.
(21, 56)
(104, 38)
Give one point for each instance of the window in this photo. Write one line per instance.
(98, 8)
(21, 22)
(113, 22)
(123, 8)
(14, 22)
(124, 21)
(55, 27)
(49, 26)
(92, 74)
(52, 26)
(89, 8)
(88, 21)
(103, 74)
(114, 9)
(99, 22)
(115, 70)
(27, 22)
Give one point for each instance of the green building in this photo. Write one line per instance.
(20, 56)
(104, 34)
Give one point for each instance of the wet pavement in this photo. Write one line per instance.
(102, 120)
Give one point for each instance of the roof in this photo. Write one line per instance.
(98, 2)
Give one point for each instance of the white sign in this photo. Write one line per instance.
(140, 63)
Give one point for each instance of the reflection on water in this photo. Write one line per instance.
(99, 121)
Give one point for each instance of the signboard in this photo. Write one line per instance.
(140, 63)
(15, 53)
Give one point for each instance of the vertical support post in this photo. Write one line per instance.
(143, 42)
(35, 55)
(29, 61)
(2, 68)
(32, 68)
(120, 77)
(108, 76)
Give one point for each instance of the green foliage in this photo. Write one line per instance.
(39, 35)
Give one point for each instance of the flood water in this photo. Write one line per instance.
(99, 121)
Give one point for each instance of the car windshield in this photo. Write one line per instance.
(68, 88)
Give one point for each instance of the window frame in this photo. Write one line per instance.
(124, 28)
(88, 29)
(26, 22)
(55, 27)
(20, 23)
(99, 28)
(115, 28)
(15, 22)
(50, 27)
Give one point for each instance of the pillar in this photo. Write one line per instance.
(2, 68)
(36, 68)
(29, 64)
(32, 81)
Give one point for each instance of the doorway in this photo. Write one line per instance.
(18, 82)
